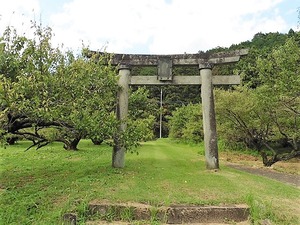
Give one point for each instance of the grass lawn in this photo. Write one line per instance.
(38, 187)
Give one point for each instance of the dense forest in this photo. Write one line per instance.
(50, 95)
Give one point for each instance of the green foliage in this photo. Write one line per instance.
(142, 113)
(186, 123)
(141, 105)
(138, 130)
(266, 117)
(11, 55)
(173, 96)
(51, 88)
(268, 40)
(240, 118)
(280, 70)
(260, 210)
(247, 68)
(279, 73)
(261, 45)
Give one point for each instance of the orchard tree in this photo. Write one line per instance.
(241, 119)
(266, 118)
(280, 91)
(47, 88)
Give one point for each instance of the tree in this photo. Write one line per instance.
(279, 73)
(186, 123)
(241, 119)
(266, 118)
(72, 95)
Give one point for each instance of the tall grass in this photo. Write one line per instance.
(38, 187)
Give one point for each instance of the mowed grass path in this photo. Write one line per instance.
(38, 187)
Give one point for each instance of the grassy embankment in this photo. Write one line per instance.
(38, 187)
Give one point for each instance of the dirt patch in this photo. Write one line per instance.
(292, 179)
(283, 171)
(291, 166)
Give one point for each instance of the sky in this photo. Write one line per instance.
(151, 26)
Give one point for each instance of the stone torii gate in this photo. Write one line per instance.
(164, 76)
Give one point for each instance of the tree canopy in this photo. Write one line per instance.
(43, 87)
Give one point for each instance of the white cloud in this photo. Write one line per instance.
(161, 26)
(120, 23)
(18, 14)
(216, 23)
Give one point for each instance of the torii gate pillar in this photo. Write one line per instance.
(118, 156)
(209, 118)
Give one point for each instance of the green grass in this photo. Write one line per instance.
(38, 187)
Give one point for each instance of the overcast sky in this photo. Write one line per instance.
(152, 26)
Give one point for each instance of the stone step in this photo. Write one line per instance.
(176, 214)
(101, 222)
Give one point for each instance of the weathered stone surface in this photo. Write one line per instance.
(210, 214)
(184, 80)
(118, 157)
(138, 211)
(175, 214)
(209, 118)
(177, 59)
(70, 219)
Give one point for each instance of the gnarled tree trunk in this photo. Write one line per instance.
(72, 144)
(97, 142)
(269, 161)
(11, 140)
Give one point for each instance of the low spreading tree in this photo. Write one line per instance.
(266, 118)
(48, 88)
(242, 121)
(280, 91)
(53, 95)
